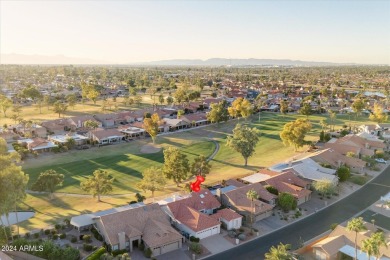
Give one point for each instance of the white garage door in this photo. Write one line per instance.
(170, 247)
(204, 234)
(215, 231)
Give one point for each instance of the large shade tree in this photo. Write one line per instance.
(294, 133)
(200, 166)
(99, 183)
(48, 181)
(151, 126)
(244, 141)
(152, 180)
(176, 166)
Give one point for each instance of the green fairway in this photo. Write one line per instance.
(126, 168)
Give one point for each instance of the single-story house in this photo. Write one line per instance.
(132, 132)
(106, 136)
(336, 159)
(229, 218)
(59, 126)
(312, 171)
(237, 200)
(197, 119)
(341, 242)
(288, 182)
(62, 139)
(176, 124)
(191, 215)
(149, 224)
(38, 144)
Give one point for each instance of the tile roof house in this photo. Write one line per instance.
(360, 142)
(38, 144)
(196, 119)
(237, 200)
(336, 159)
(59, 126)
(342, 242)
(229, 218)
(126, 229)
(191, 215)
(106, 136)
(79, 121)
(288, 182)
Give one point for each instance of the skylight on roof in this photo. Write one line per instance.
(202, 196)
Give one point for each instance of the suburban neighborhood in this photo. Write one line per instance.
(195, 130)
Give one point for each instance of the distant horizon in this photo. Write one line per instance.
(92, 61)
(122, 32)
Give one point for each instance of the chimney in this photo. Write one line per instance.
(122, 240)
(367, 146)
(218, 194)
(290, 164)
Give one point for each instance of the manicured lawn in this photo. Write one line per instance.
(49, 212)
(125, 163)
(125, 168)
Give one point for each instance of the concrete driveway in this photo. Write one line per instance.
(216, 243)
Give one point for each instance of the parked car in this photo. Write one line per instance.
(380, 160)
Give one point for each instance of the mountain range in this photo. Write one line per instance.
(61, 59)
(240, 62)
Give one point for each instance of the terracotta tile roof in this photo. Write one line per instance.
(235, 183)
(340, 236)
(194, 117)
(194, 219)
(37, 142)
(290, 183)
(268, 172)
(333, 158)
(226, 214)
(58, 124)
(105, 133)
(360, 141)
(201, 200)
(149, 221)
(239, 199)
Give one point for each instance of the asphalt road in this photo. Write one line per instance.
(313, 225)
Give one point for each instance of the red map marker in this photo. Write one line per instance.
(195, 186)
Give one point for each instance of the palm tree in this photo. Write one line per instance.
(252, 195)
(369, 246)
(379, 240)
(356, 225)
(281, 252)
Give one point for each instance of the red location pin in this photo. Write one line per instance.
(195, 186)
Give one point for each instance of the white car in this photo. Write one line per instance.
(380, 160)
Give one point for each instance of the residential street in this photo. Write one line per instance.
(313, 225)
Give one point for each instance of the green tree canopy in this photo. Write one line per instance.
(281, 252)
(200, 166)
(244, 141)
(152, 180)
(151, 126)
(218, 112)
(48, 181)
(176, 165)
(99, 183)
(378, 115)
(294, 133)
(287, 201)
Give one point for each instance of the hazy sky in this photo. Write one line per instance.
(133, 31)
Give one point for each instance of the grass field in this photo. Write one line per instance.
(49, 212)
(126, 168)
(125, 163)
